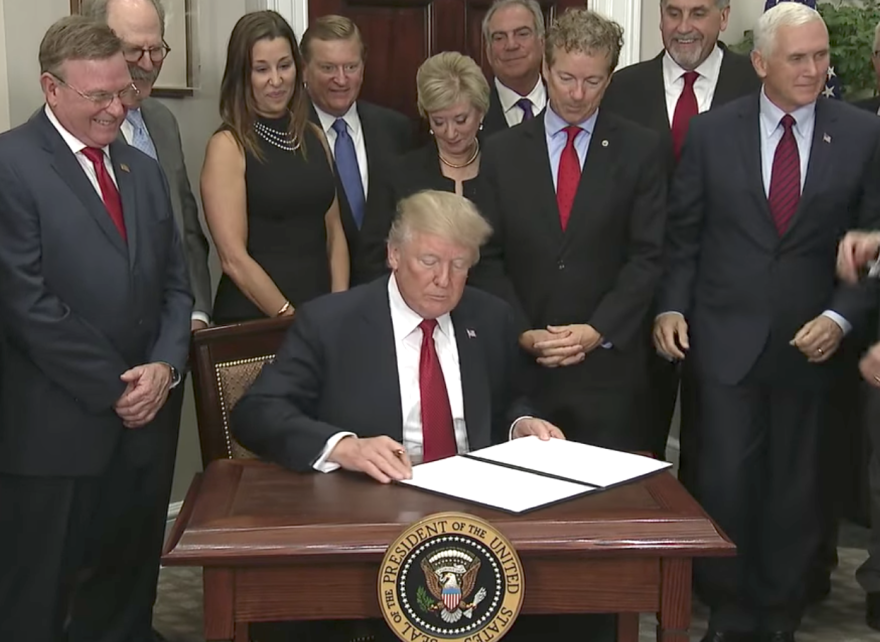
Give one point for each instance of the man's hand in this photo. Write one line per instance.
(197, 324)
(854, 252)
(147, 390)
(530, 338)
(671, 335)
(381, 458)
(818, 339)
(543, 430)
(869, 366)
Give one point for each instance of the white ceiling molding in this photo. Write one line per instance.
(628, 14)
(296, 12)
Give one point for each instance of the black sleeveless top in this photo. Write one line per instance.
(288, 195)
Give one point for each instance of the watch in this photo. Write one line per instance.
(175, 376)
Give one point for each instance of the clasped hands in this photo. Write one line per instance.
(856, 250)
(560, 345)
(145, 393)
(817, 339)
(385, 460)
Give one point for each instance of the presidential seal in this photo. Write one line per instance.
(450, 576)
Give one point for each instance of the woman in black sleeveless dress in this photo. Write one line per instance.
(267, 183)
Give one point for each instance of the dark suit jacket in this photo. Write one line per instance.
(638, 94)
(603, 269)
(418, 170)
(871, 104)
(387, 135)
(737, 282)
(337, 371)
(77, 306)
(165, 133)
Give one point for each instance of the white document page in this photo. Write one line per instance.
(571, 460)
(492, 485)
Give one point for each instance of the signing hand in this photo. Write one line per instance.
(146, 392)
(869, 366)
(818, 339)
(376, 456)
(671, 335)
(854, 252)
(543, 430)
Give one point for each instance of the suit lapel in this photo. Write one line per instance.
(125, 183)
(68, 168)
(750, 150)
(820, 157)
(655, 98)
(384, 375)
(534, 164)
(593, 192)
(474, 378)
(154, 132)
(727, 88)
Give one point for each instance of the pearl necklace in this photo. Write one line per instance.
(470, 160)
(281, 140)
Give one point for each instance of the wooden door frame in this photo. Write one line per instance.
(628, 13)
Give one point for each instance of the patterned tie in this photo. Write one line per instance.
(109, 193)
(140, 137)
(349, 171)
(685, 109)
(568, 177)
(785, 180)
(438, 436)
(526, 105)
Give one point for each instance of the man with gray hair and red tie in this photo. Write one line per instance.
(766, 186)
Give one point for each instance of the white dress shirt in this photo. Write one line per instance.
(355, 130)
(508, 98)
(408, 346)
(76, 146)
(704, 86)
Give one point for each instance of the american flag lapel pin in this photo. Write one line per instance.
(124, 167)
(471, 334)
(826, 138)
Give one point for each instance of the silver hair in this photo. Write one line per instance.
(444, 214)
(97, 10)
(784, 14)
(719, 4)
(531, 5)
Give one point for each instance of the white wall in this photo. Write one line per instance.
(743, 15)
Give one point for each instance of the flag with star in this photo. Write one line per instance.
(833, 88)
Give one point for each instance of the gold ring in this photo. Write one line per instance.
(820, 351)
(877, 378)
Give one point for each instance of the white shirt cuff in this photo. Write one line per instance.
(201, 316)
(845, 325)
(663, 314)
(515, 422)
(321, 464)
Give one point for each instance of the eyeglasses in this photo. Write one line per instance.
(157, 54)
(103, 99)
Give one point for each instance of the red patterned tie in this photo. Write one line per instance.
(785, 181)
(568, 177)
(685, 109)
(109, 193)
(438, 436)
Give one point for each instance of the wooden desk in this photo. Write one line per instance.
(276, 545)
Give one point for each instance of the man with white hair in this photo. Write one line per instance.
(765, 187)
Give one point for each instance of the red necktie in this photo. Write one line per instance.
(685, 109)
(109, 193)
(438, 437)
(568, 177)
(785, 180)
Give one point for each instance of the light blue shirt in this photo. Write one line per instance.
(554, 128)
(771, 134)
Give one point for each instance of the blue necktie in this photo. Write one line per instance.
(140, 138)
(349, 172)
(526, 105)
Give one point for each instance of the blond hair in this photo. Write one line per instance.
(446, 78)
(444, 214)
(328, 28)
(584, 31)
